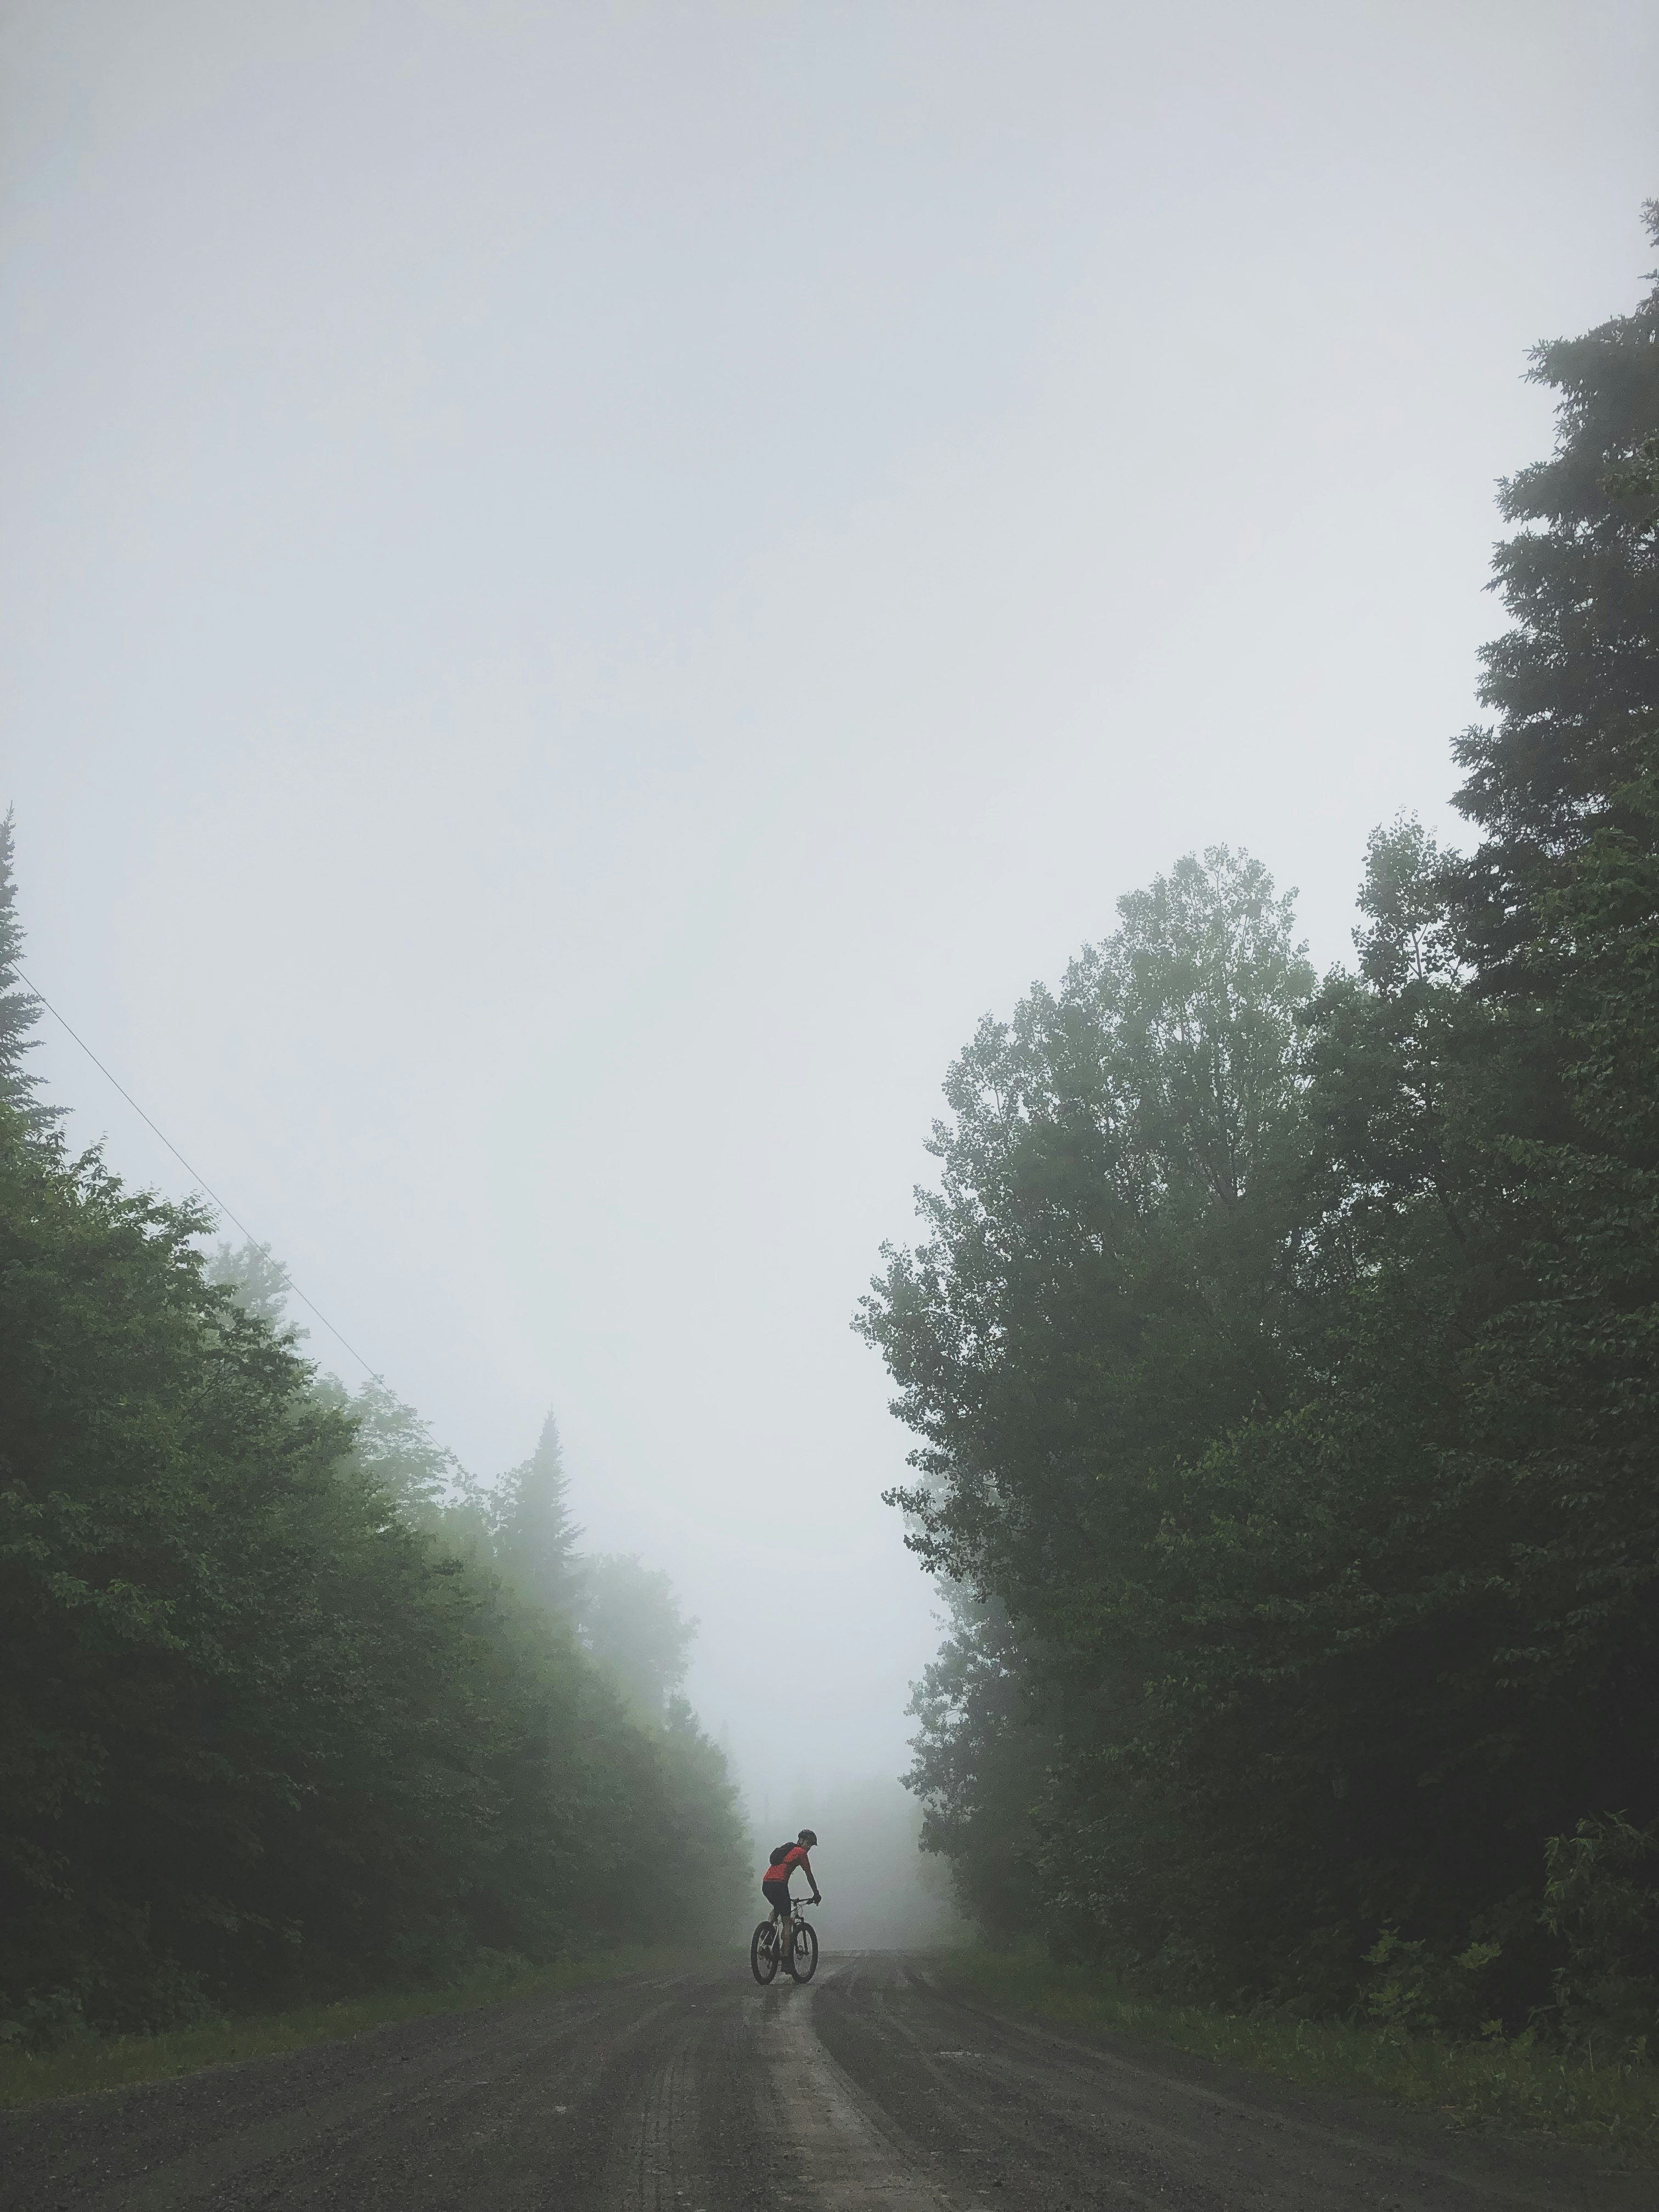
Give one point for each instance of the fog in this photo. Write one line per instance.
(585, 588)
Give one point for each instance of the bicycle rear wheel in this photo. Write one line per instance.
(804, 1952)
(763, 1949)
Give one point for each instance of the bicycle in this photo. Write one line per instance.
(767, 1951)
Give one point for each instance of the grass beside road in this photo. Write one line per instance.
(90, 2062)
(1512, 2083)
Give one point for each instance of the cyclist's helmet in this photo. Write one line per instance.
(808, 1837)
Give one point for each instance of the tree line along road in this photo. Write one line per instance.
(874, 2088)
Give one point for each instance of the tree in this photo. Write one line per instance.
(1108, 1277)
(255, 1278)
(535, 1536)
(1574, 681)
(19, 1008)
(396, 1448)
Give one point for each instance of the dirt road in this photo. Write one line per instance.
(874, 2088)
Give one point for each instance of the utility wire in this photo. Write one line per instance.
(200, 1181)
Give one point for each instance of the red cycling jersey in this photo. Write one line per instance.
(793, 1857)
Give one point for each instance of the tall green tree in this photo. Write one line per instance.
(19, 1008)
(1574, 682)
(1108, 1278)
(1113, 1276)
(535, 1532)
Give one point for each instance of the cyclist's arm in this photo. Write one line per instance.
(806, 1868)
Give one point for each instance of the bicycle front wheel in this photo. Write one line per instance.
(804, 1952)
(763, 1947)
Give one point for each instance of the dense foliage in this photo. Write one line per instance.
(287, 1706)
(1286, 1364)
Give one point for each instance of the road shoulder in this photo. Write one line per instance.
(1517, 2165)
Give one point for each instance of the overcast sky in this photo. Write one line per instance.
(584, 587)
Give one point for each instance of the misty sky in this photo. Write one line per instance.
(585, 588)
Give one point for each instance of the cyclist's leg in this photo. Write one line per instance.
(778, 1901)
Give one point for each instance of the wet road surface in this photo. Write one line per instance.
(875, 2089)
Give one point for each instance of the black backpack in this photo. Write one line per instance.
(781, 1853)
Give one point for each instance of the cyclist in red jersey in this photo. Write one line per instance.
(775, 1882)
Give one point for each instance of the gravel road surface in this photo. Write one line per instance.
(874, 2088)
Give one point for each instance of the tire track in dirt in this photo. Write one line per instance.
(851, 2156)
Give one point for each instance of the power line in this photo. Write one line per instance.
(201, 1182)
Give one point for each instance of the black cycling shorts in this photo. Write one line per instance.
(776, 1894)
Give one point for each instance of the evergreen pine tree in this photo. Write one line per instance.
(536, 1538)
(1575, 683)
(19, 1008)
